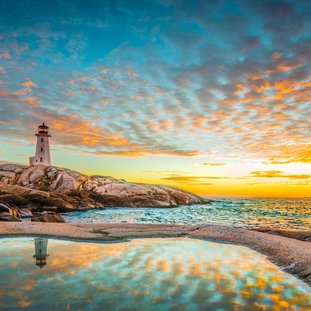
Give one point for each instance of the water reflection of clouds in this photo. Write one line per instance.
(175, 272)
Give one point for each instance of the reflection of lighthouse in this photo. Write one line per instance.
(41, 246)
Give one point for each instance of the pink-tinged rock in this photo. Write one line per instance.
(49, 218)
(68, 190)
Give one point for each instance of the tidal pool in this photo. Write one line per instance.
(143, 274)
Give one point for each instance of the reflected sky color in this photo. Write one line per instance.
(210, 96)
(153, 274)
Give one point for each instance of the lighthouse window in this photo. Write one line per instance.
(41, 149)
(40, 159)
(41, 140)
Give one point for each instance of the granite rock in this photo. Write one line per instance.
(49, 218)
(40, 186)
(7, 213)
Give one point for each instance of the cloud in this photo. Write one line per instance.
(213, 164)
(278, 174)
(29, 83)
(68, 128)
(2, 70)
(183, 79)
(191, 180)
(292, 154)
(163, 171)
(140, 151)
(5, 55)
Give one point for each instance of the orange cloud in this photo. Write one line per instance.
(191, 180)
(289, 89)
(165, 125)
(292, 154)
(29, 83)
(278, 174)
(213, 164)
(24, 303)
(30, 285)
(32, 102)
(139, 151)
(74, 130)
(286, 67)
(221, 115)
(198, 121)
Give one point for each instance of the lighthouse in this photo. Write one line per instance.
(41, 246)
(42, 156)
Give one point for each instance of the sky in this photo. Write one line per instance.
(210, 96)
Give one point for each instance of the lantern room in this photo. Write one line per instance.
(43, 129)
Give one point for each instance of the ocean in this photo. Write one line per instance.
(283, 213)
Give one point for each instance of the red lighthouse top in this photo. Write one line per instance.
(43, 129)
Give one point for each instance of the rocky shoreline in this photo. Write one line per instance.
(40, 192)
(294, 256)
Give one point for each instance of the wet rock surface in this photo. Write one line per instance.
(7, 213)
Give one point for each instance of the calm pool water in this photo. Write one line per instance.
(275, 213)
(143, 274)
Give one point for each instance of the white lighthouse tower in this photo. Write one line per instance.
(42, 156)
(41, 246)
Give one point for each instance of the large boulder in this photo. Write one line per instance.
(13, 199)
(7, 213)
(18, 198)
(11, 167)
(5, 216)
(31, 175)
(65, 181)
(49, 218)
(7, 177)
(25, 212)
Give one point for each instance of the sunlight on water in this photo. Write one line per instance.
(276, 213)
(143, 274)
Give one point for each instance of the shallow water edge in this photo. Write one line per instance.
(283, 251)
(157, 273)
